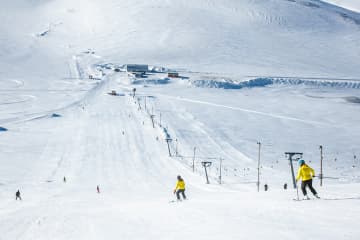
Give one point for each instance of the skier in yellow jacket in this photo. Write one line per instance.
(180, 188)
(306, 174)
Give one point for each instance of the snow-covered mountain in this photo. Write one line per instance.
(282, 73)
(249, 37)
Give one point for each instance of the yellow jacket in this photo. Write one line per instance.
(180, 185)
(305, 173)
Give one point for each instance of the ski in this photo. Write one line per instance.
(306, 199)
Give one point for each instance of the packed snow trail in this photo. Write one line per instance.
(109, 146)
(136, 179)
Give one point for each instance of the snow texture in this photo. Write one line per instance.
(280, 72)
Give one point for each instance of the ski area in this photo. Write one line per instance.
(179, 119)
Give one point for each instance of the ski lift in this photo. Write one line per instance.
(206, 165)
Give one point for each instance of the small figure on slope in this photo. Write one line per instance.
(98, 189)
(180, 188)
(17, 195)
(306, 174)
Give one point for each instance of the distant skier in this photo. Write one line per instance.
(98, 189)
(306, 174)
(64, 179)
(180, 188)
(17, 195)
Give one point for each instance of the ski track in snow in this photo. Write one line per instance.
(248, 111)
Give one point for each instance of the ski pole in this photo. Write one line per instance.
(297, 191)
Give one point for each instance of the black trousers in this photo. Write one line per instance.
(309, 184)
(182, 191)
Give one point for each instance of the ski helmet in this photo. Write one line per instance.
(301, 162)
(179, 177)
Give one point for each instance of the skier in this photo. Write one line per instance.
(64, 179)
(98, 189)
(17, 195)
(306, 174)
(180, 188)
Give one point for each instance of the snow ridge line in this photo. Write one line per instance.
(265, 81)
(318, 83)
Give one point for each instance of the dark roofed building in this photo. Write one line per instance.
(137, 68)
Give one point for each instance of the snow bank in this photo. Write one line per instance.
(353, 5)
(318, 83)
(150, 81)
(262, 82)
(230, 84)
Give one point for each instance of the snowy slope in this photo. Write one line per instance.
(349, 4)
(251, 37)
(282, 72)
(105, 140)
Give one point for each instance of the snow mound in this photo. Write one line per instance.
(155, 81)
(353, 5)
(230, 84)
(352, 99)
(262, 82)
(318, 83)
